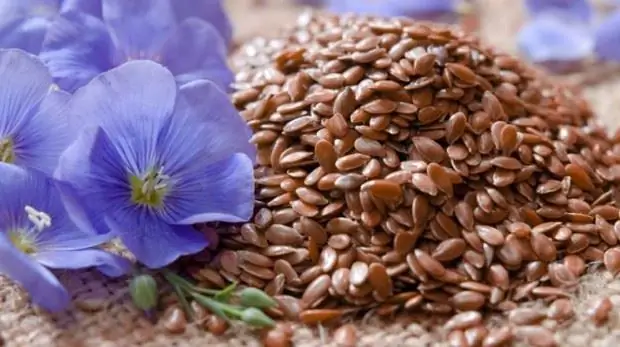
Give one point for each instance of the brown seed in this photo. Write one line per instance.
(560, 310)
(216, 325)
(316, 316)
(543, 247)
(449, 249)
(346, 335)
(278, 234)
(526, 316)
(379, 279)
(579, 176)
(316, 290)
(383, 189)
(498, 337)
(430, 265)
(462, 72)
(423, 183)
(600, 310)
(359, 273)
(351, 161)
(536, 336)
(430, 150)
(440, 177)
(468, 300)
(611, 259)
(463, 320)
(276, 338)
(326, 155)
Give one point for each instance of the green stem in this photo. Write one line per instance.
(187, 285)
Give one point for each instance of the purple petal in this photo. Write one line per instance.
(31, 114)
(139, 27)
(211, 11)
(222, 191)
(44, 288)
(109, 264)
(153, 242)
(228, 132)
(91, 7)
(123, 94)
(549, 38)
(576, 9)
(196, 51)
(20, 187)
(24, 33)
(411, 8)
(76, 49)
(607, 38)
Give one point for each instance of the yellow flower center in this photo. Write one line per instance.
(21, 241)
(150, 189)
(7, 150)
(24, 239)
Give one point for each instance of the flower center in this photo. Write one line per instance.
(7, 150)
(150, 189)
(24, 239)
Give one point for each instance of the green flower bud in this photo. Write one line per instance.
(256, 318)
(144, 293)
(252, 297)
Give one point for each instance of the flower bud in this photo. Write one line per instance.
(143, 290)
(252, 297)
(256, 318)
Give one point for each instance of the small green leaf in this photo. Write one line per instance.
(220, 309)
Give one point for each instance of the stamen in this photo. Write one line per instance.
(150, 188)
(25, 239)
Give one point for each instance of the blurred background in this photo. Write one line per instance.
(576, 41)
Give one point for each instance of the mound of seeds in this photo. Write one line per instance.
(404, 165)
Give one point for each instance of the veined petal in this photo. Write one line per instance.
(225, 131)
(222, 191)
(26, 33)
(551, 38)
(44, 288)
(196, 51)
(109, 264)
(25, 82)
(76, 49)
(92, 7)
(153, 242)
(139, 27)
(118, 96)
(20, 187)
(40, 141)
(607, 38)
(211, 11)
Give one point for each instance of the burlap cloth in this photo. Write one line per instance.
(120, 324)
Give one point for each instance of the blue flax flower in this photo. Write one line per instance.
(23, 23)
(576, 9)
(33, 127)
(154, 158)
(37, 233)
(607, 38)
(418, 9)
(552, 38)
(79, 46)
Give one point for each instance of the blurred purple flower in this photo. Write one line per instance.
(211, 11)
(33, 127)
(154, 158)
(78, 46)
(418, 9)
(607, 38)
(23, 23)
(37, 232)
(553, 38)
(576, 9)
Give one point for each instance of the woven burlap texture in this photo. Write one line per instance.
(120, 324)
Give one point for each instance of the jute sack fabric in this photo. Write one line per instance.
(103, 316)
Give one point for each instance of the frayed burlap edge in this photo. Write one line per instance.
(103, 316)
